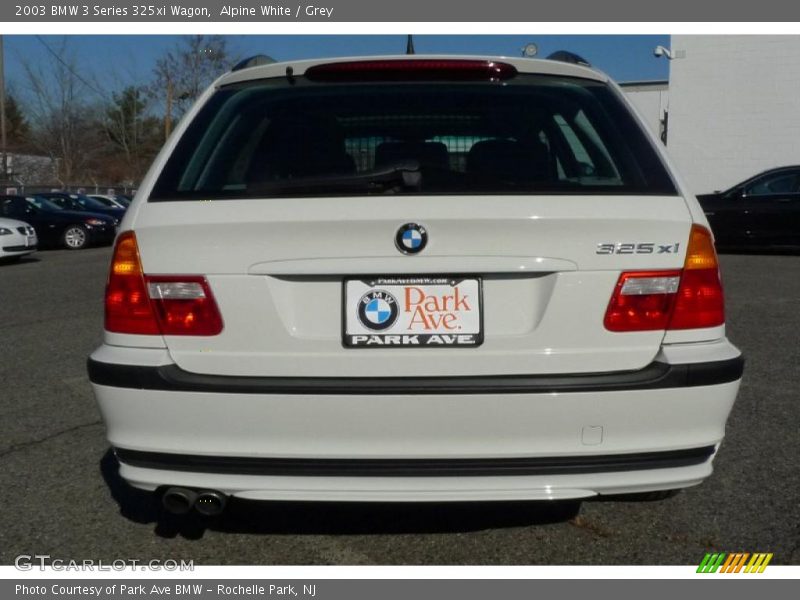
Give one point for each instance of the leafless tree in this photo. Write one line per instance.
(133, 134)
(184, 71)
(60, 109)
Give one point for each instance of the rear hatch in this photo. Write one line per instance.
(532, 192)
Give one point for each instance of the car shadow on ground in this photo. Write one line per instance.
(12, 261)
(331, 518)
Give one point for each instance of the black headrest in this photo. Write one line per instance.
(431, 154)
(308, 130)
(300, 146)
(510, 158)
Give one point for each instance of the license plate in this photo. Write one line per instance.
(416, 312)
(30, 241)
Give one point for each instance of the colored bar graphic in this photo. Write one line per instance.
(758, 563)
(754, 563)
(728, 564)
(734, 562)
(765, 563)
(718, 563)
(711, 562)
(740, 564)
(703, 563)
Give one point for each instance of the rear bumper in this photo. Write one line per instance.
(431, 488)
(419, 439)
(419, 467)
(656, 375)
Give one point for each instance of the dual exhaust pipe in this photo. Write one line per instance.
(180, 500)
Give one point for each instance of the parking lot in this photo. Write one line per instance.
(62, 497)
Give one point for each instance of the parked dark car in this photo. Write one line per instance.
(123, 199)
(56, 226)
(107, 201)
(762, 212)
(80, 202)
(112, 200)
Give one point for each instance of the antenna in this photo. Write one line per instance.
(410, 45)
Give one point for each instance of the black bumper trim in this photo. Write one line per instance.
(657, 375)
(18, 248)
(421, 467)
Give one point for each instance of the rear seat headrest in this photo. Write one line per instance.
(430, 154)
(510, 158)
(300, 146)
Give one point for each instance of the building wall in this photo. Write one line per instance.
(734, 107)
(651, 100)
(29, 169)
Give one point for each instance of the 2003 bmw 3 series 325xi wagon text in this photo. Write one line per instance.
(413, 279)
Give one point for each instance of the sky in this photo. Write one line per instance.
(116, 60)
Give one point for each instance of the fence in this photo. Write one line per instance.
(111, 190)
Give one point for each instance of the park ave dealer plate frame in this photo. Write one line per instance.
(355, 290)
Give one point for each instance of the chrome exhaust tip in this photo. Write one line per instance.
(210, 503)
(178, 500)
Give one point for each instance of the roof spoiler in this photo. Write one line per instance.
(253, 61)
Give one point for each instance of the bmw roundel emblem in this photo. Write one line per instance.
(411, 238)
(377, 310)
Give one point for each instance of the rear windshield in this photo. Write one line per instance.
(530, 135)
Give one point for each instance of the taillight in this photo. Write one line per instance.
(700, 300)
(128, 308)
(687, 299)
(642, 301)
(184, 305)
(153, 305)
(412, 70)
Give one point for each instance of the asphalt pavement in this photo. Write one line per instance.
(61, 494)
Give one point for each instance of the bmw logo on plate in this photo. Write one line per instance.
(377, 310)
(411, 238)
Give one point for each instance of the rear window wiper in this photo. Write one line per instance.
(392, 178)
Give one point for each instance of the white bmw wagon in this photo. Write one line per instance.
(413, 278)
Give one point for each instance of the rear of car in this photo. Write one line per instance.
(414, 279)
(17, 239)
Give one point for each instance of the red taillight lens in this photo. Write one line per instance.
(412, 70)
(128, 308)
(700, 301)
(153, 305)
(687, 299)
(642, 301)
(184, 305)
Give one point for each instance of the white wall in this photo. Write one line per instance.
(651, 101)
(734, 107)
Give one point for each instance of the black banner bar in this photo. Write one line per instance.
(284, 11)
(733, 586)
